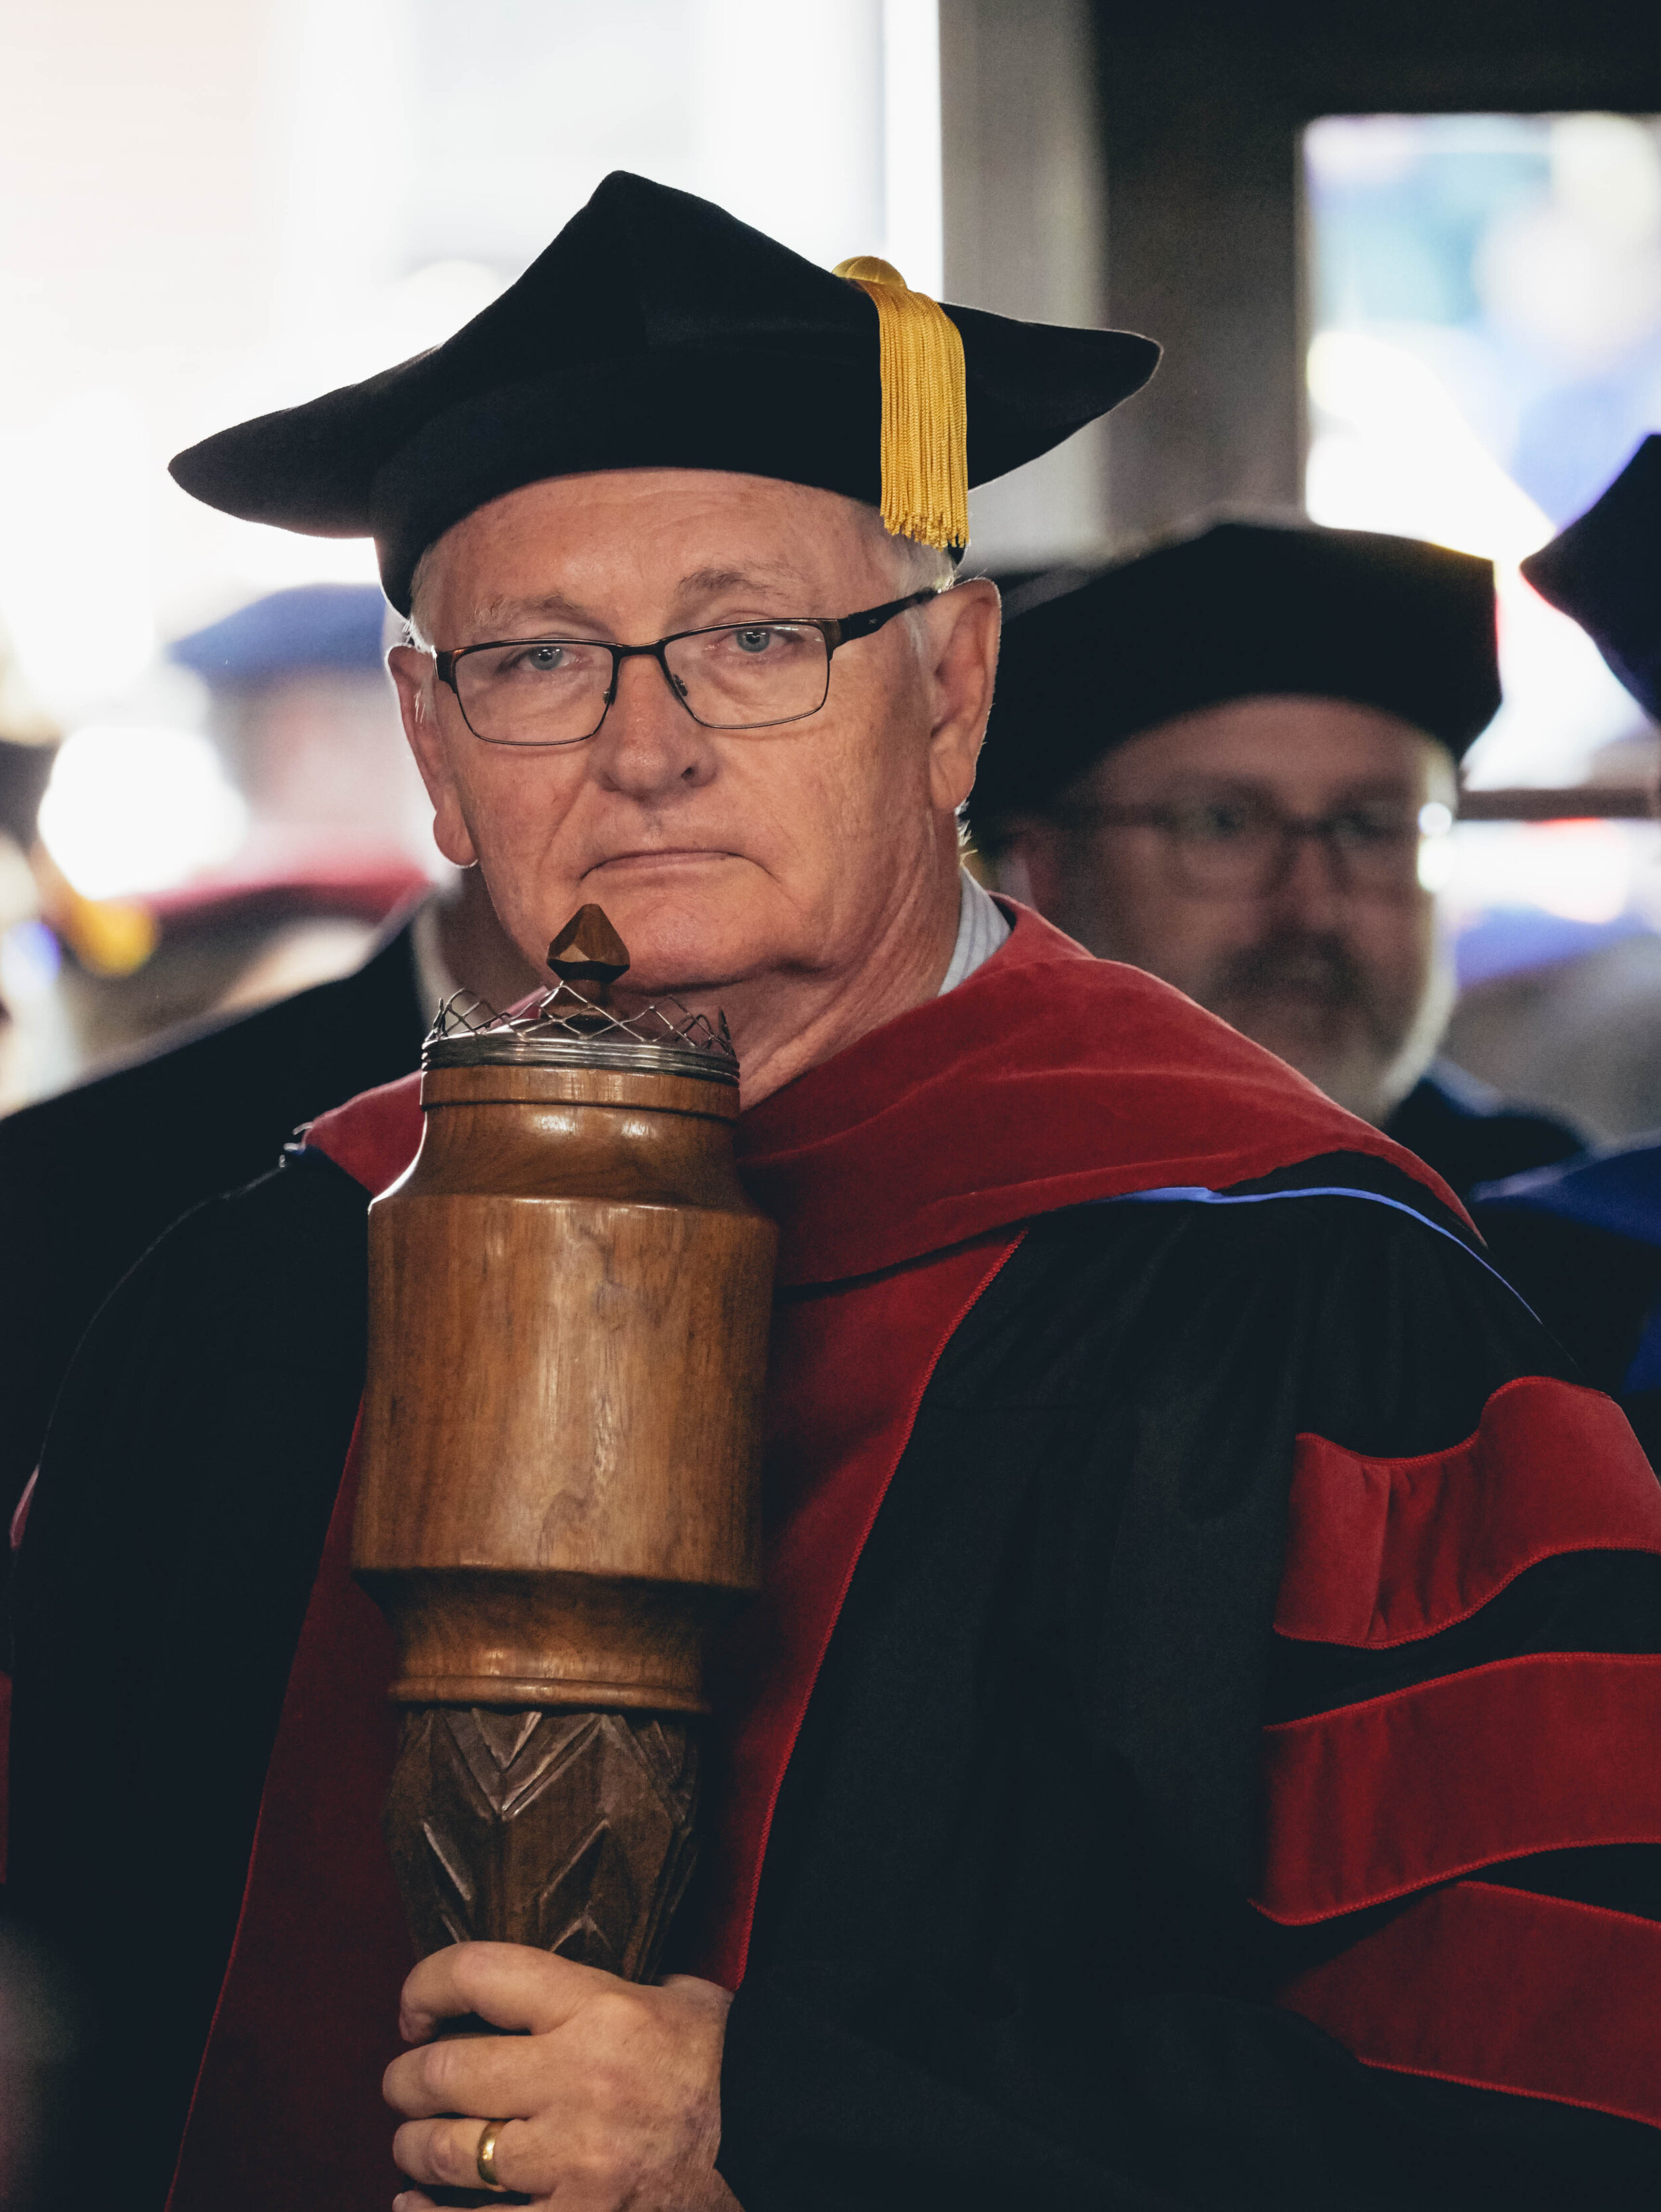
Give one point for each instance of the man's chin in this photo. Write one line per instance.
(1332, 1046)
(689, 953)
(1292, 1025)
(685, 925)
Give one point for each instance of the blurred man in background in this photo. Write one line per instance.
(300, 691)
(1223, 762)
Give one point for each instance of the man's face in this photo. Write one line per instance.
(719, 856)
(1328, 957)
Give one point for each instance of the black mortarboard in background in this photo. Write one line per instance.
(1605, 570)
(1242, 609)
(656, 332)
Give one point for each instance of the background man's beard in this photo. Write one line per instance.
(1306, 997)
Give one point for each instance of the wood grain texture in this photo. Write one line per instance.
(568, 1303)
(558, 1501)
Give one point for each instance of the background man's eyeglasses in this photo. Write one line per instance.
(1230, 847)
(736, 675)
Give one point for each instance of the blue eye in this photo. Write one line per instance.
(752, 641)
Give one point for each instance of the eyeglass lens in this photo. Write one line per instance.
(1233, 845)
(552, 691)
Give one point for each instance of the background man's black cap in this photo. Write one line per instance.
(1605, 570)
(656, 332)
(1242, 608)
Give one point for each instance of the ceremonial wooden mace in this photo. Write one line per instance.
(569, 1294)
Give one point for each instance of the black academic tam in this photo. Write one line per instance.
(1242, 608)
(656, 332)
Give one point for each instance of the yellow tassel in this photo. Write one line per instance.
(925, 413)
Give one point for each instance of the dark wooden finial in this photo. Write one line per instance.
(588, 955)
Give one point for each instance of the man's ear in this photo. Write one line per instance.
(962, 627)
(411, 671)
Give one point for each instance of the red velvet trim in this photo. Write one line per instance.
(374, 1136)
(1553, 1752)
(307, 2014)
(19, 1519)
(1046, 1079)
(288, 2110)
(1502, 1989)
(835, 1442)
(1385, 1551)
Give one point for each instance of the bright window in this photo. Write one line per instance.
(1485, 355)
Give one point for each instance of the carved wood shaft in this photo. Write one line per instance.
(569, 1831)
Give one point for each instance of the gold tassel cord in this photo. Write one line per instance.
(925, 413)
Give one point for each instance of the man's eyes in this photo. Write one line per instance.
(1222, 820)
(758, 640)
(548, 659)
(1374, 826)
(1216, 821)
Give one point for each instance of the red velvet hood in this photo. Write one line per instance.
(1047, 1078)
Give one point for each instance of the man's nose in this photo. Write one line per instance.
(1309, 885)
(648, 744)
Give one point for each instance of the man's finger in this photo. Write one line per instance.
(498, 2077)
(444, 2154)
(509, 1984)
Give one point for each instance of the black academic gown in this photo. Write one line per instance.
(196, 1115)
(1003, 1953)
(1470, 1135)
(1582, 1242)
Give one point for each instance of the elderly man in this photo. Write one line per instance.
(1186, 1708)
(1220, 760)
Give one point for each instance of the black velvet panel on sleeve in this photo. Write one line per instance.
(172, 1546)
(1003, 1952)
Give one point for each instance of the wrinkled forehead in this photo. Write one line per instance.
(1303, 749)
(679, 537)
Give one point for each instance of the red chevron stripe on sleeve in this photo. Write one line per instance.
(1503, 1990)
(1557, 1750)
(1382, 1552)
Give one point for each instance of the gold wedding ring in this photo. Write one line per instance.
(485, 2157)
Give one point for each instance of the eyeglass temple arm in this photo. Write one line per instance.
(843, 629)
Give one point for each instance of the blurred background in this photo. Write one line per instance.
(1408, 270)
(1405, 260)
